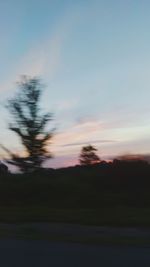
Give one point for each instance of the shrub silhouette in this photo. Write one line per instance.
(88, 156)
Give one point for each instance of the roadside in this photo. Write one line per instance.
(76, 233)
(39, 253)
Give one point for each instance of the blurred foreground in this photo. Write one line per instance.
(114, 194)
(16, 253)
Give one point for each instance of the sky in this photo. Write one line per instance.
(94, 58)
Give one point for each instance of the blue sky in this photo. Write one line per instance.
(94, 57)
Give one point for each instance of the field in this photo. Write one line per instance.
(100, 195)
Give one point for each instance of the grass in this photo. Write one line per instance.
(91, 197)
(108, 216)
(25, 232)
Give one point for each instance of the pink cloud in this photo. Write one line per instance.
(62, 161)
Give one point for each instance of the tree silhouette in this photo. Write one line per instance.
(3, 168)
(88, 156)
(30, 125)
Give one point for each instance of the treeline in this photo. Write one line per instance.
(118, 183)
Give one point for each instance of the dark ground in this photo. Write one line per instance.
(80, 234)
(41, 217)
(115, 195)
(16, 253)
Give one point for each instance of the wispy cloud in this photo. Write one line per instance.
(79, 134)
(44, 58)
(38, 61)
(91, 142)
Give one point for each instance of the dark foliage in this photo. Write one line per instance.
(3, 168)
(115, 184)
(29, 124)
(88, 156)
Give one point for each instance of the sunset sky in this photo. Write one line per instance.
(94, 57)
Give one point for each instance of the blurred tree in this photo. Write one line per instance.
(3, 168)
(88, 156)
(30, 125)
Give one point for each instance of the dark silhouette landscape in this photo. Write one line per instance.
(112, 194)
(74, 133)
(95, 192)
